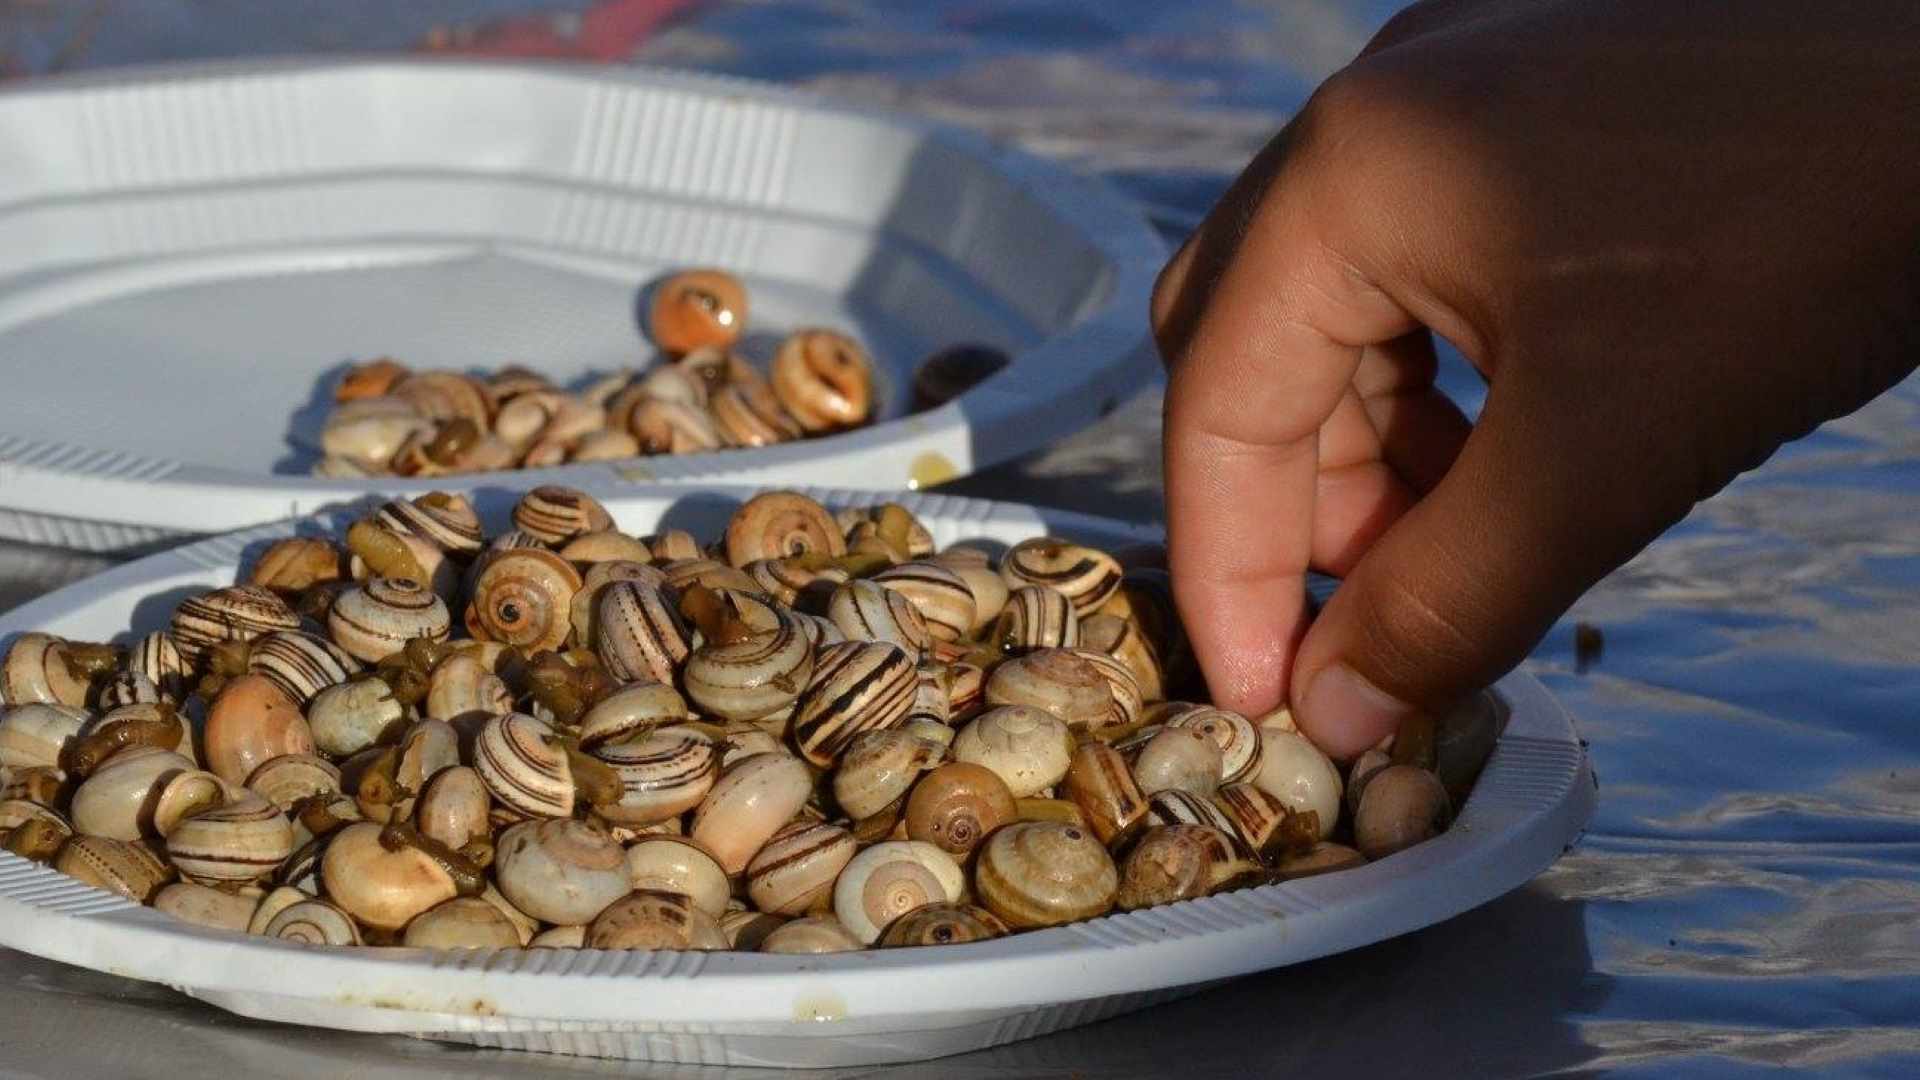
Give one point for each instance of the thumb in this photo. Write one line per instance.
(1463, 585)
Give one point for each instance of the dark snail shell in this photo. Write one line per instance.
(942, 924)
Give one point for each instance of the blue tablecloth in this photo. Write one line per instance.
(1749, 893)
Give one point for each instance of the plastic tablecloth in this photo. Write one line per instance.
(1748, 896)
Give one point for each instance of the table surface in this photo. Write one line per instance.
(1749, 893)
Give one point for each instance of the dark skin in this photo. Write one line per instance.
(1672, 236)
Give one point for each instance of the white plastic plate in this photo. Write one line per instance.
(189, 256)
(747, 1009)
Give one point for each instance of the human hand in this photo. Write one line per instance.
(1671, 236)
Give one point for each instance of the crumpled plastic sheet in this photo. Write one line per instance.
(1748, 896)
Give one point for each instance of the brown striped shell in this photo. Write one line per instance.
(652, 919)
(663, 774)
(524, 598)
(1038, 617)
(127, 867)
(241, 842)
(878, 767)
(754, 677)
(238, 612)
(557, 514)
(1056, 681)
(300, 663)
(939, 594)
(313, 922)
(639, 633)
(1176, 807)
(1238, 738)
(868, 611)
(289, 778)
(1268, 827)
(796, 869)
(159, 659)
(1180, 862)
(677, 864)
(825, 380)
(747, 414)
(1100, 784)
(524, 766)
(1038, 873)
(631, 712)
(856, 686)
(781, 524)
(376, 618)
(1084, 575)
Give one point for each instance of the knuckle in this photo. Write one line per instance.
(1417, 640)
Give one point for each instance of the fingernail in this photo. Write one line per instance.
(1346, 714)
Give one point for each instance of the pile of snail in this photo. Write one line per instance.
(391, 421)
(817, 733)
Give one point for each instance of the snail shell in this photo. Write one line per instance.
(746, 930)
(857, 686)
(966, 691)
(353, 716)
(1267, 826)
(1463, 742)
(1177, 807)
(682, 574)
(1323, 858)
(811, 936)
(1294, 771)
(751, 801)
(1038, 617)
(631, 712)
(745, 738)
(677, 383)
(984, 583)
(672, 427)
(127, 867)
(825, 379)
(462, 685)
(890, 879)
(116, 802)
(238, 612)
(250, 723)
(1368, 763)
(35, 670)
(1402, 806)
(444, 395)
(453, 808)
(461, 923)
(957, 806)
(877, 767)
(1127, 701)
(1057, 681)
(863, 526)
(751, 678)
(938, 593)
(868, 611)
(640, 634)
(300, 663)
(159, 659)
(446, 521)
(1239, 740)
(313, 922)
(559, 514)
(697, 309)
(779, 524)
(652, 919)
(1040, 873)
(370, 431)
(44, 784)
(605, 545)
(525, 767)
(560, 871)
(594, 581)
(1179, 862)
(1178, 757)
(277, 900)
(381, 887)
(289, 778)
(17, 812)
(128, 688)
(662, 774)
(37, 733)
(1119, 639)
(184, 793)
(524, 925)
(524, 597)
(796, 869)
(241, 842)
(376, 618)
(942, 924)
(1029, 749)
(748, 414)
(560, 937)
(932, 699)
(203, 905)
(1100, 784)
(791, 583)
(671, 545)
(676, 864)
(1085, 576)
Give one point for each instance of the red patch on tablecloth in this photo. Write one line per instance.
(608, 31)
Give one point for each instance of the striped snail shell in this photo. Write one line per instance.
(754, 677)
(241, 842)
(1084, 575)
(1123, 689)
(796, 869)
(1239, 740)
(677, 864)
(557, 514)
(187, 792)
(594, 581)
(780, 524)
(278, 899)
(524, 598)
(868, 611)
(1268, 827)
(811, 935)
(1041, 873)
(932, 698)
(1122, 641)
(1056, 681)
(639, 633)
(300, 663)
(673, 427)
(1179, 862)
(856, 686)
(891, 878)
(1039, 617)
(237, 612)
(942, 924)
(313, 922)
(524, 766)
(747, 413)
(825, 380)
(789, 582)
(376, 618)
(1100, 784)
(878, 767)
(1297, 773)
(128, 688)
(663, 774)
(966, 691)
(117, 801)
(939, 594)
(984, 583)
(750, 803)
(289, 778)
(631, 712)
(652, 919)
(35, 671)
(159, 659)
(1176, 807)
(127, 867)
(685, 573)
(820, 629)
